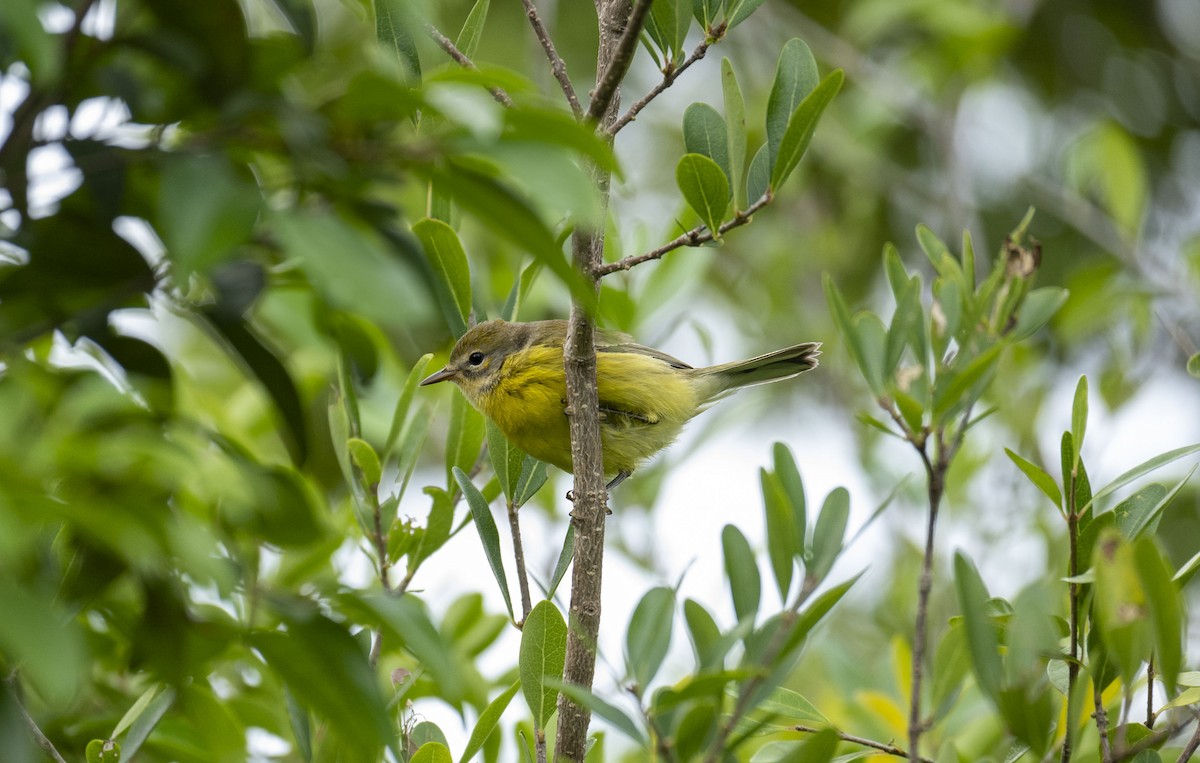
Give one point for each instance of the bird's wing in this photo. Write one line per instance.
(625, 343)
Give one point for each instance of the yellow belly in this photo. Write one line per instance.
(645, 403)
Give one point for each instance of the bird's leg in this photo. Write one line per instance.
(621, 477)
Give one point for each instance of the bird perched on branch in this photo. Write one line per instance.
(513, 373)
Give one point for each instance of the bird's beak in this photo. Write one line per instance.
(440, 376)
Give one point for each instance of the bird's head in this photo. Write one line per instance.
(477, 358)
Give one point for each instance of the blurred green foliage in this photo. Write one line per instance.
(214, 313)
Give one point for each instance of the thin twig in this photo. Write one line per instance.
(42, 740)
(1190, 749)
(694, 237)
(670, 74)
(514, 525)
(890, 749)
(1101, 716)
(1150, 693)
(1073, 597)
(936, 474)
(557, 65)
(446, 44)
(609, 82)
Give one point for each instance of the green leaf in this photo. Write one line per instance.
(897, 274)
(795, 77)
(801, 126)
(601, 708)
(908, 326)
(705, 187)
(564, 560)
(981, 633)
(490, 718)
(366, 460)
(1037, 309)
(394, 20)
(135, 711)
(1121, 603)
(935, 249)
(432, 752)
(507, 460)
(1193, 365)
(1141, 470)
(740, 10)
(328, 671)
(207, 208)
(817, 748)
(1166, 610)
(529, 480)
(47, 643)
(511, 217)
(251, 353)
(472, 30)
(704, 133)
(448, 260)
(667, 24)
(520, 289)
(1187, 570)
(404, 620)
(789, 478)
(405, 401)
(426, 732)
(829, 532)
(102, 751)
(1038, 477)
(465, 436)
(705, 634)
(705, 12)
(351, 266)
(735, 117)
(964, 387)
(140, 730)
(784, 542)
(1079, 416)
(870, 339)
(301, 725)
(488, 534)
(649, 634)
(1138, 522)
(758, 178)
(543, 655)
(742, 573)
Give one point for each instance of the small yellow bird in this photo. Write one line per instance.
(513, 373)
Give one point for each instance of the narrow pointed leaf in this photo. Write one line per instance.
(705, 188)
(735, 122)
(485, 524)
(472, 31)
(1079, 415)
(448, 260)
(543, 655)
(801, 126)
(564, 561)
(829, 532)
(782, 545)
(506, 458)
(1141, 470)
(705, 133)
(602, 708)
(758, 177)
(1038, 477)
(489, 719)
(981, 634)
(742, 573)
(795, 77)
(1166, 611)
(649, 634)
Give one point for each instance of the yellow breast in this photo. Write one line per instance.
(644, 403)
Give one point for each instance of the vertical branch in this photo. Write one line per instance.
(618, 32)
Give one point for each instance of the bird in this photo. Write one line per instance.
(512, 372)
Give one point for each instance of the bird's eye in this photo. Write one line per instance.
(476, 358)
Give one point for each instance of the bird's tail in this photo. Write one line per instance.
(719, 381)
